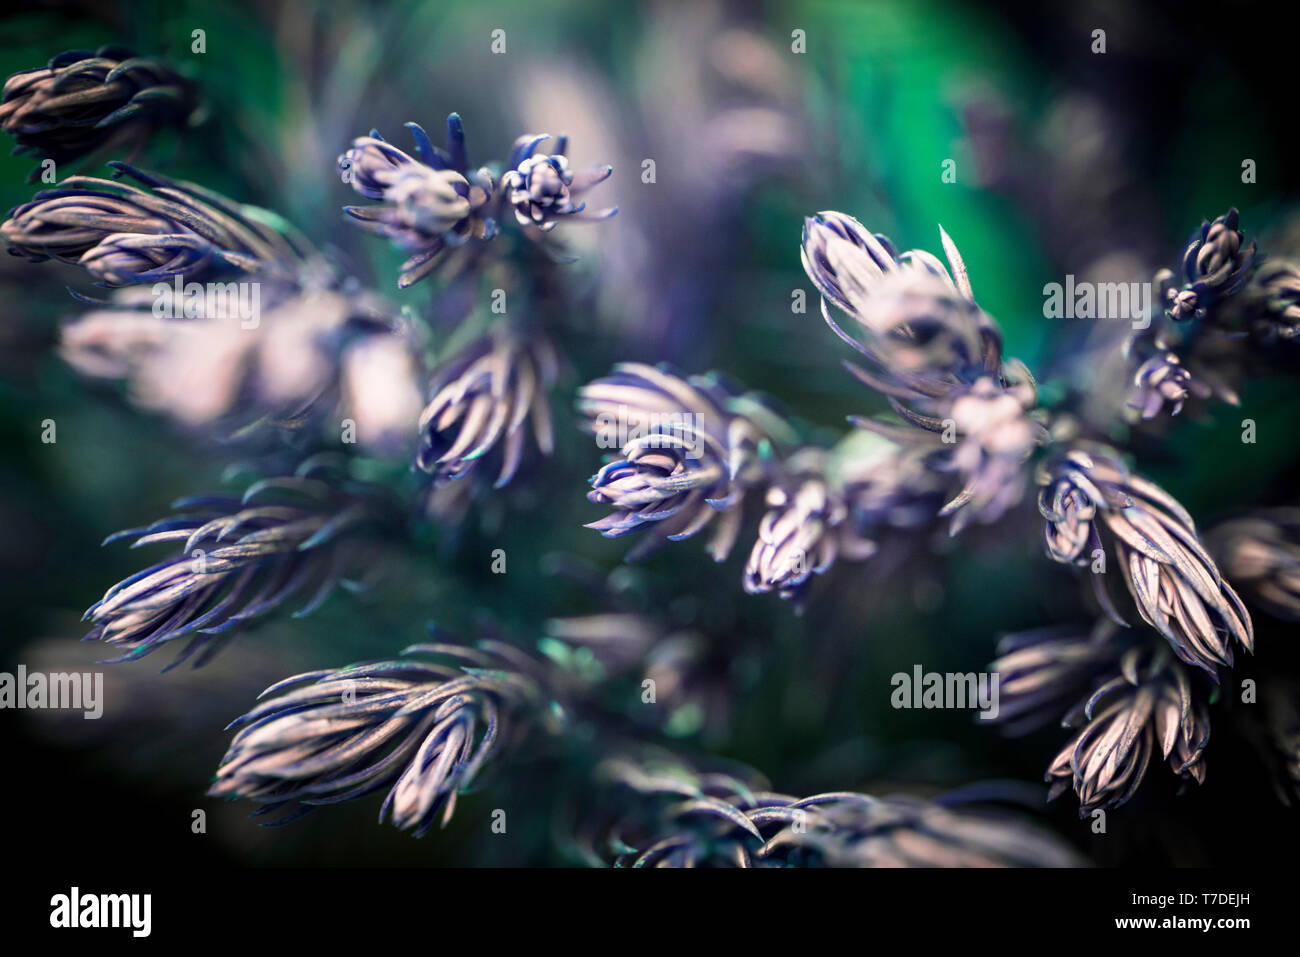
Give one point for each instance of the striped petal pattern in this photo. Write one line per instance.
(798, 537)
(691, 448)
(83, 102)
(124, 234)
(1147, 709)
(1091, 501)
(482, 398)
(289, 537)
(421, 726)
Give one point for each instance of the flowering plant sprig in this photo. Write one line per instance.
(968, 412)
(158, 229)
(442, 212)
(82, 103)
(293, 536)
(423, 727)
(447, 216)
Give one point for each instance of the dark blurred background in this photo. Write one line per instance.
(1066, 161)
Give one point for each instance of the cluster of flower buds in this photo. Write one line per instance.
(686, 453)
(1175, 359)
(436, 205)
(921, 329)
(430, 205)
(935, 355)
(1216, 263)
(1147, 707)
(541, 187)
(485, 395)
(1120, 692)
(1162, 383)
(83, 102)
(692, 449)
(125, 234)
(689, 451)
(825, 507)
(800, 534)
(649, 812)
(422, 726)
(239, 559)
(1102, 517)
